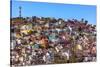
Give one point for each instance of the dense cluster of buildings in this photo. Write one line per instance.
(45, 40)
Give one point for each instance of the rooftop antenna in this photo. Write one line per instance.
(20, 8)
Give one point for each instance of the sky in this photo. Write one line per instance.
(56, 10)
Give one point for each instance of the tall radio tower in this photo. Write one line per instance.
(20, 8)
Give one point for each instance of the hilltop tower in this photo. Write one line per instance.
(20, 8)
